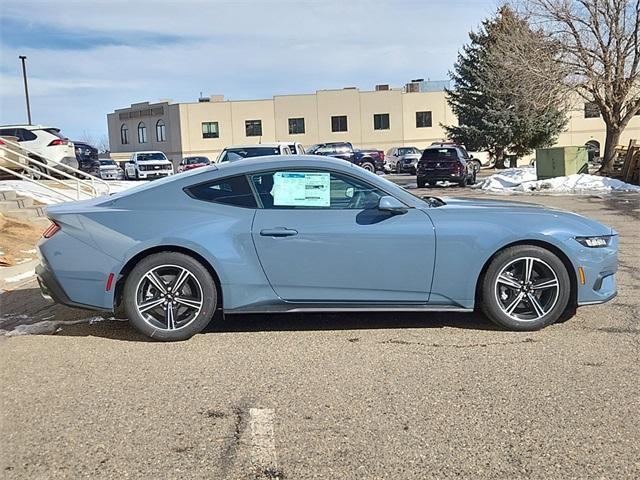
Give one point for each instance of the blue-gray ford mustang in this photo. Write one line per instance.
(304, 233)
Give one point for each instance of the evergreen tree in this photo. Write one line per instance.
(507, 92)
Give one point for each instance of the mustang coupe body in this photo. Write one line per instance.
(308, 233)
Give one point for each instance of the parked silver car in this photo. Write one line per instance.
(403, 159)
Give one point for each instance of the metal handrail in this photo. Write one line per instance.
(29, 179)
(48, 166)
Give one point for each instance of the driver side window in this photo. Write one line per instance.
(314, 190)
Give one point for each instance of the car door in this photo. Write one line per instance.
(320, 238)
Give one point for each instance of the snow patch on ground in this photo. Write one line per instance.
(44, 327)
(20, 276)
(525, 180)
(49, 197)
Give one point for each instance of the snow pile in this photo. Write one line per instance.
(48, 197)
(525, 180)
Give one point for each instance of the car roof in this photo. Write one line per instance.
(29, 127)
(150, 151)
(258, 145)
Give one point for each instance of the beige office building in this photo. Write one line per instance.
(383, 118)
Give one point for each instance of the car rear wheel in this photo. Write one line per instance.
(368, 166)
(525, 288)
(169, 296)
(421, 182)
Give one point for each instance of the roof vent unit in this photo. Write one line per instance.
(412, 87)
(417, 80)
(204, 99)
(382, 87)
(350, 88)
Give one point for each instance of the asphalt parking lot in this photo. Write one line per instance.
(339, 396)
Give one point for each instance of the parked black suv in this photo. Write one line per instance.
(87, 157)
(444, 163)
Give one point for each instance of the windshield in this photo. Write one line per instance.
(408, 151)
(143, 157)
(195, 160)
(312, 148)
(240, 153)
(107, 162)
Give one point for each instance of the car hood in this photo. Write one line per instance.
(154, 162)
(524, 214)
(410, 156)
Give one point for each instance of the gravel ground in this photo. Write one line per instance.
(354, 396)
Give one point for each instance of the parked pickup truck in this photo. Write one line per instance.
(372, 160)
(147, 166)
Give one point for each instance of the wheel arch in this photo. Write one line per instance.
(571, 271)
(133, 261)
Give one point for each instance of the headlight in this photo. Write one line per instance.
(595, 242)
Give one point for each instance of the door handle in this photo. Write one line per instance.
(278, 232)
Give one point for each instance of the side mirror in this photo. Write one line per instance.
(392, 205)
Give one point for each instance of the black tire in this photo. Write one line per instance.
(492, 290)
(398, 167)
(149, 325)
(463, 183)
(368, 166)
(137, 175)
(421, 182)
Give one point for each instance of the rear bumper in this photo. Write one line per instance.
(440, 176)
(51, 289)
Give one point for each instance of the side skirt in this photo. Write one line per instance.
(311, 308)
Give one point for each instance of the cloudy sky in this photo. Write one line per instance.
(88, 57)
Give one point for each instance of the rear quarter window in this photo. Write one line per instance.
(234, 191)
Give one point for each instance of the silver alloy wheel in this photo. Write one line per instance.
(527, 289)
(169, 297)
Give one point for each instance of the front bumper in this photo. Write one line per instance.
(599, 266)
(150, 175)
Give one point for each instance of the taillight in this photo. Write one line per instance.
(56, 142)
(2, 142)
(51, 230)
(382, 156)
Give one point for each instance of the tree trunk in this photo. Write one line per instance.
(612, 139)
(499, 153)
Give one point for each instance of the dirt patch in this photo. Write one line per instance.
(17, 240)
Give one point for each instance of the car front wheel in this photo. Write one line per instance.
(526, 287)
(169, 296)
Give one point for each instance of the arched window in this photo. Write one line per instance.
(161, 133)
(124, 134)
(593, 149)
(142, 133)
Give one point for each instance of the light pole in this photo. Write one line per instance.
(26, 87)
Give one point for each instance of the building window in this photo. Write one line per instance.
(381, 121)
(339, 123)
(142, 133)
(423, 119)
(210, 130)
(296, 126)
(253, 128)
(161, 132)
(124, 134)
(591, 110)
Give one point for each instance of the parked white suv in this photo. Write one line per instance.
(148, 165)
(47, 143)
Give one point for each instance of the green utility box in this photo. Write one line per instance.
(561, 161)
